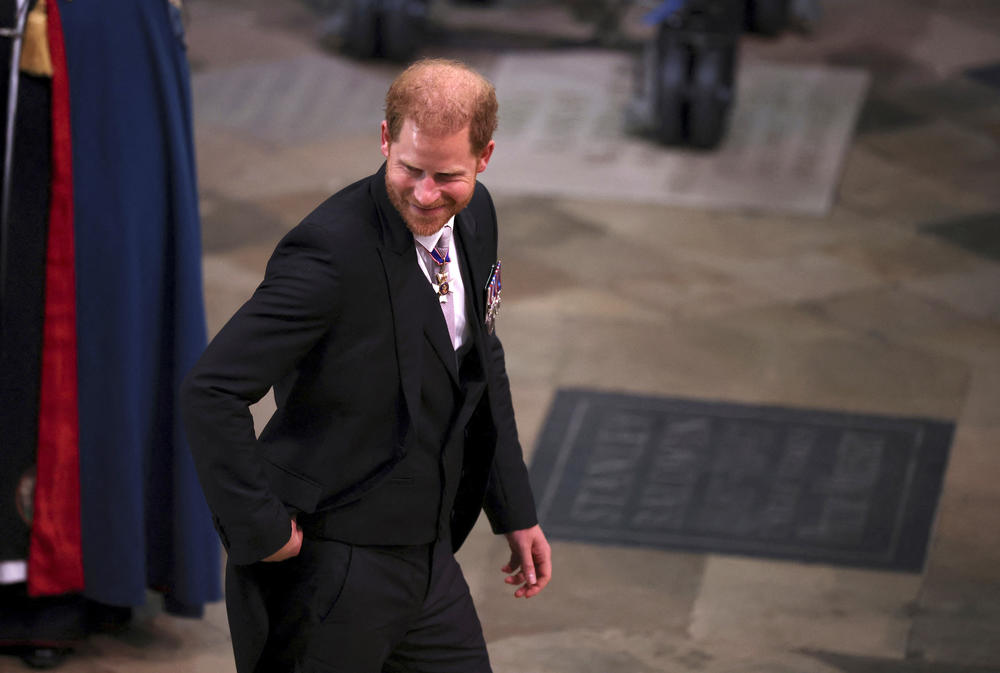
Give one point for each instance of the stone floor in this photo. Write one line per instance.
(887, 301)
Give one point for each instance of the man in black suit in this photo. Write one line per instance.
(394, 425)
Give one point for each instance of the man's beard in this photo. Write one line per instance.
(417, 225)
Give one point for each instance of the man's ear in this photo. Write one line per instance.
(386, 140)
(484, 157)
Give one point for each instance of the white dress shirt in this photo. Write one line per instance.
(455, 283)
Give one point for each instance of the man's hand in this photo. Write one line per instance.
(530, 562)
(291, 548)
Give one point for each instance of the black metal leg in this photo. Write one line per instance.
(671, 91)
(360, 31)
(767, 17)
(711, 95)
(403, 28)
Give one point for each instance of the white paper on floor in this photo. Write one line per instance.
(561, 133)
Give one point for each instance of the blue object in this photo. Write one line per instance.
(666, 9)
(140, 312)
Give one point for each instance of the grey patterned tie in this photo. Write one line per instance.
(441, 280)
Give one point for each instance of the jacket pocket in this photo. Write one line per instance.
(292, 488)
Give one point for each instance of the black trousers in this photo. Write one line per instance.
(341, 608)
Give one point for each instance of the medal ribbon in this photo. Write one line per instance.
(438, 259)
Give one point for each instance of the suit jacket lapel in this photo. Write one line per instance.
(411, 299)
(402, 276)
(436, 329)
(475, 268)
(404, 299)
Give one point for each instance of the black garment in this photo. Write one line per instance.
(22, 310)
(414, 502)
(337, 327)
(280, 612)
(368, 390)
(341, 608)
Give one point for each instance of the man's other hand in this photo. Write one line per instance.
(530, 562)
(291, 548)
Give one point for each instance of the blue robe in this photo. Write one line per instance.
(140, 312)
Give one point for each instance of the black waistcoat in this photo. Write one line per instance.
(412, 505)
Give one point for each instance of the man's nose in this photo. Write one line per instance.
(426, 191)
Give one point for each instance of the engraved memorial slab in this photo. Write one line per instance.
(819, 486)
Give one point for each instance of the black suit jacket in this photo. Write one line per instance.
(336, 327)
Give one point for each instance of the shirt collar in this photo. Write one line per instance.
(430, 242)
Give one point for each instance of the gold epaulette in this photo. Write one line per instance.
(35, 56)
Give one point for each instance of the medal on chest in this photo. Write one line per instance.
(441, 282)
(493, 287)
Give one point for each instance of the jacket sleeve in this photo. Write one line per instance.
(288, 313)
(509, 504)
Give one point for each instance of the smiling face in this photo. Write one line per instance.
(430, 177)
